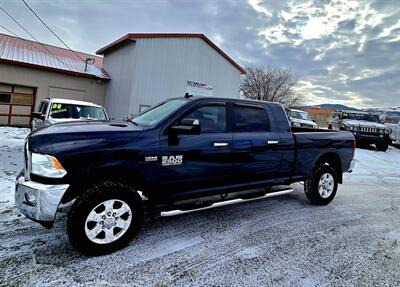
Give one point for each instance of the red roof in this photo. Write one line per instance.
(18, 51)
(127, 37)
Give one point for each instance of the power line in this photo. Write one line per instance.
(14, 34)
(33, 37)
(27, 41)
(8, 30)
(40, 19)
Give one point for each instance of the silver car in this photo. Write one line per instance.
(52, 110)
(300, 118)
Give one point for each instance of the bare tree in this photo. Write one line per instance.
(266, 83)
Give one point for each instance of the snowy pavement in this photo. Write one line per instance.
(279, 241)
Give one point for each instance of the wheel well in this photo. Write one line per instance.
(334, 161)
(129, 177)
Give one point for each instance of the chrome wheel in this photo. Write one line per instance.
(326, 185)
(108, 221)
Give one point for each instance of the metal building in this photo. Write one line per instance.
(148, 68)
(31, 71)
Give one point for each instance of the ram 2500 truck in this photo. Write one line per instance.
(183, 150)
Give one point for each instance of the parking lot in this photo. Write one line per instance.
(278, 241)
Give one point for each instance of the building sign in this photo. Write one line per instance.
(199, 89)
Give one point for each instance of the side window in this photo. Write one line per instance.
(249, 119)
(212, 118)
(43, 108)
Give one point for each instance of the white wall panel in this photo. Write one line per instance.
(150, 70)
(164, 65)
(119, 64)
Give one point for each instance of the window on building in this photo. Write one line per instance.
(5, 98)
(249, 119)
(22, 99)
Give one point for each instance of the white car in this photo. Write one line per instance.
(52, 110)
(395, 133)
(302, 119)
(392, 122)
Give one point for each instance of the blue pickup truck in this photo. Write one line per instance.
(182, 152)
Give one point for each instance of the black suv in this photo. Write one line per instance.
(366, 128)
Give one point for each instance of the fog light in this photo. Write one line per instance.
(30, 199)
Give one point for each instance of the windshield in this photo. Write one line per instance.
(71, 111)
(361, 117)
(155, 115)
(300, 115)
(392, 117)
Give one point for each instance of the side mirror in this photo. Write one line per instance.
(314, 121)
(38, 116)
(186, 127)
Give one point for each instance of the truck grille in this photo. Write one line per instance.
(368, 130)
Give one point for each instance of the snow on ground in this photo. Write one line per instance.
(280, 241)
(11, 161)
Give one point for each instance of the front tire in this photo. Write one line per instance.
(321, 186)
(105, 218)
(382, 146)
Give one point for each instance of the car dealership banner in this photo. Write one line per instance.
(199, 89)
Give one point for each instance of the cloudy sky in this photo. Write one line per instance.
(341, 51)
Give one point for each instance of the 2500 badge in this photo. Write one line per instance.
(172, 160)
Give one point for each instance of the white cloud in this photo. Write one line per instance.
(317, 21)
(362, 43)
(387, 31)
(256, 4)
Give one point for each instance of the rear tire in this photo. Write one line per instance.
(105, 218)
(321, 186)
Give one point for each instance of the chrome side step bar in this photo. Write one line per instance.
(224, 203)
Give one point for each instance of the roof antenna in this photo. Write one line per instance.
(187, 96)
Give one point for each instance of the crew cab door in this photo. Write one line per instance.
(197, 161)
(255, 147)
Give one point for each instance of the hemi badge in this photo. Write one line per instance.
(151, 158)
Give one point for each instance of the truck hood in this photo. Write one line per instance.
(363, 124)
(69, 135)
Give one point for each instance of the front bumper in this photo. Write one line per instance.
(370, 138)
(38, 201)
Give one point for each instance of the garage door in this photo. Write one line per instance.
(70, 94)
(16, 104)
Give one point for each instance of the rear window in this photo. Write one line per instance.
(249, 119)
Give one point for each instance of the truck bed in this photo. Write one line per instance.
(312, 143)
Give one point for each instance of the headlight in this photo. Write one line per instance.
(387, 131)
(47, 166)
(296, 124)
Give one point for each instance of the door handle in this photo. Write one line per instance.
(221, 144)
(272, 142)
